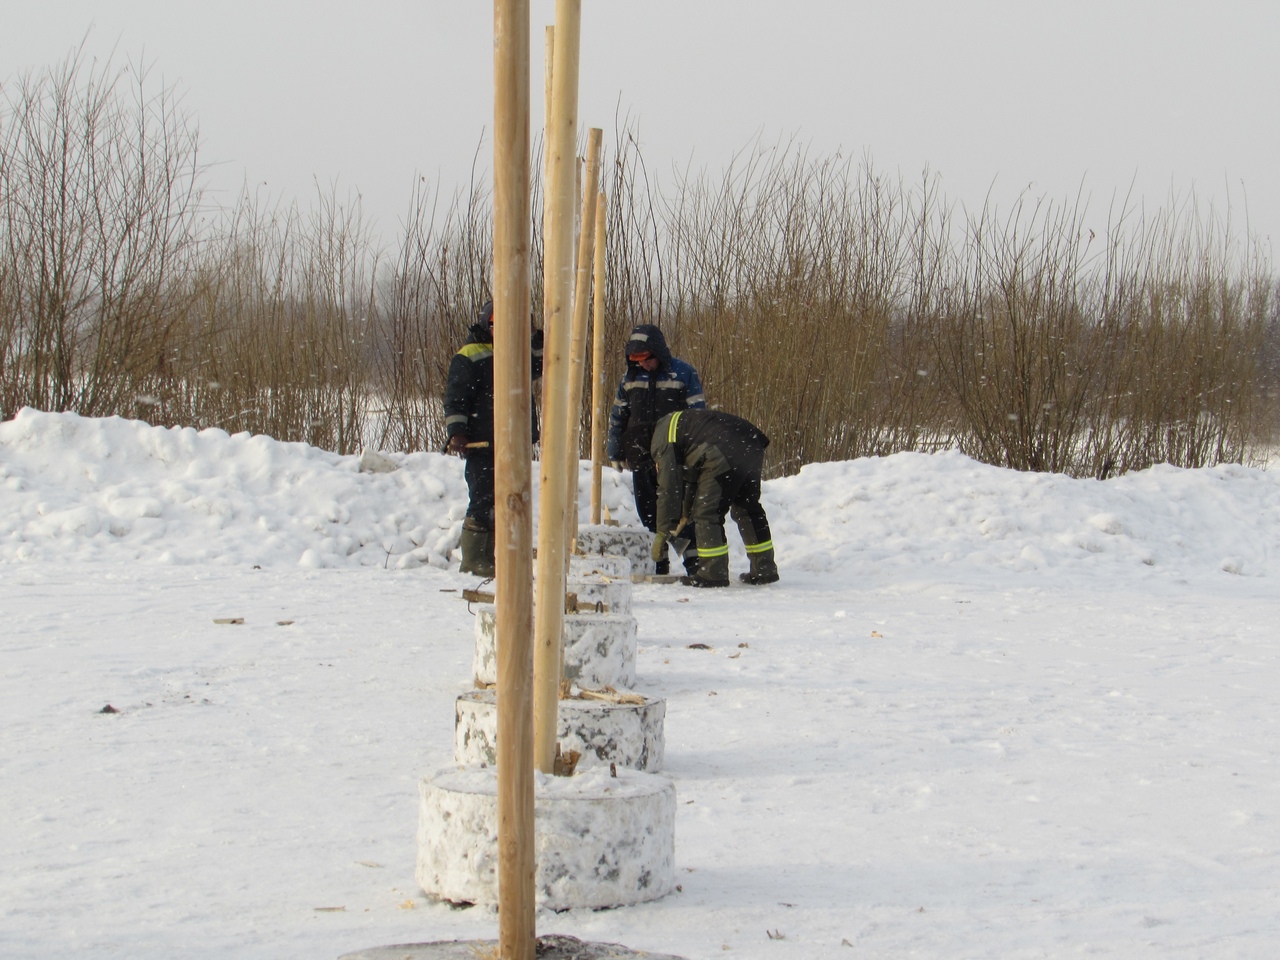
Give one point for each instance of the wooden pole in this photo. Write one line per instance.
(549, 49)
(548, 53)
(513, 451)
(599, 370)
(552, 557)
(578, 344)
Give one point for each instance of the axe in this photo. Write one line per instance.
(681, 544)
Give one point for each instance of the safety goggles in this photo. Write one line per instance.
(639, 357)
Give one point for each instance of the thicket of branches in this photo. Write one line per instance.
(846, 312)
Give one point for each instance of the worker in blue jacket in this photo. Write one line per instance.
(654, 385)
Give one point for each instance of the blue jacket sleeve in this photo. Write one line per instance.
(618, 418)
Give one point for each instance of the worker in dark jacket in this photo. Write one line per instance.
(468, 418)
(655, 384)
(709, 464)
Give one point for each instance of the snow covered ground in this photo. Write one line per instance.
(984, 714)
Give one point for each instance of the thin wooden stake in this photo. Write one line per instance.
(578, 343)
(599, 369)
(548, 64)
(549, 49)
(548, 611)
(513, 454)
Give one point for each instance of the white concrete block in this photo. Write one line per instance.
(599, 649)
(627, 734)
(635, 543)
(599, 841)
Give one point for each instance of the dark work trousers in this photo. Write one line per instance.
(480, 479)
(742, 502)
(737, 493)
(644, 481)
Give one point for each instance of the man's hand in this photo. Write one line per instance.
(458, 445)
(659, 551)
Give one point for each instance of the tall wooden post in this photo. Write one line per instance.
(513, 451)
(552, 556)
(548, 53)
(599, 369)
(578, 343)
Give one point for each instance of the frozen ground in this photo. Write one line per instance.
(984, 714)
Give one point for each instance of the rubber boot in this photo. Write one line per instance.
(690, 560)
(710, 572)
(763, 569)
(477, 549)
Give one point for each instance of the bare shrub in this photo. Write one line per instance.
(437, 284)
(1189, 338)
(1016, 346)
(279, 334)
(789, 285)
(99, 187)
(845, 312)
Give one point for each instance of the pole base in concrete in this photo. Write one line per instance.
(625, 734)
(613, 594)
(599, 840)
(550, 947)
(599, 649)
(635, 543)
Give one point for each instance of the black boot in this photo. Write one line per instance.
(763, 569)
(696, 581)
(710, 572)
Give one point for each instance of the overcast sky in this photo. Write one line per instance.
(1168, 96)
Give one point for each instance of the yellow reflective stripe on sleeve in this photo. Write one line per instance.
(671, 429)
(759, 547)
(707, 552)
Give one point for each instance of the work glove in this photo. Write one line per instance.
(659, 551)
(617, 465)
(458, 445)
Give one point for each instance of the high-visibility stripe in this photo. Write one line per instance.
(671, 430)
(759, 547)
(708, 552)
(456, 418)
(476, 351)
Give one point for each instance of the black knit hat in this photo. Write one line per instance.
(486, 313)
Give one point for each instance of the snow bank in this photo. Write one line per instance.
(73, 488)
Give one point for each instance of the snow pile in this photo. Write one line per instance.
(75, 488)
(912, 509)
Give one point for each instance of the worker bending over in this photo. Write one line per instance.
(708, 464)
